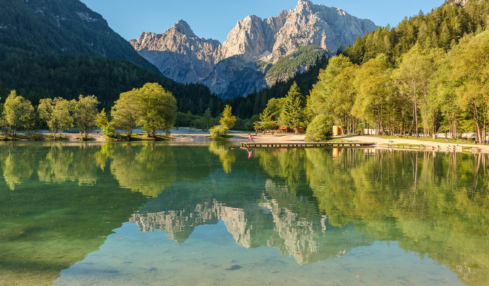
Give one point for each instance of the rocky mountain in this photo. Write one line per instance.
(460, 2)
(179, 54)
(51, 48)
(240, 65)
(257, 223)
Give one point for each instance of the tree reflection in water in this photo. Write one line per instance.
(314, 204)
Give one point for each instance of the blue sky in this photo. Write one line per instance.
(215, 18)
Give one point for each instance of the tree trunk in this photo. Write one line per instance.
(484, 128)
(454, 126)
(379, 124)
(416, 117)
(477, 124)
(403, 125)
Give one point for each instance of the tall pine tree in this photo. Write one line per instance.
(292, 114)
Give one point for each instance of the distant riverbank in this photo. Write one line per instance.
(189, 135)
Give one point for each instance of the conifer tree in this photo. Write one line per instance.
(292, 114)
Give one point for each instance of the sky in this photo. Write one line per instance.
(216, 18)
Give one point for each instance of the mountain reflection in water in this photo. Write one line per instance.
(60, 202)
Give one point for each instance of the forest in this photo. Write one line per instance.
(426, 76)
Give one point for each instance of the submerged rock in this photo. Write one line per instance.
(233, 267)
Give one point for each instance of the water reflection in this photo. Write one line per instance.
(313, 205)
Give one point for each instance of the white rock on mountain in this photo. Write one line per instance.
(460, 2)
(326, 27)
(178, 53)
(253, 37)
(230, 69)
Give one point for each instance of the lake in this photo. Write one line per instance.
(159, 214)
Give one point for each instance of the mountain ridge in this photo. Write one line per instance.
(65, 27)
(185, 58)
(61, 48)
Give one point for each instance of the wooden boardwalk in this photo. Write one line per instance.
(306, 145)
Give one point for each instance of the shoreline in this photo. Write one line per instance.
(199, 137)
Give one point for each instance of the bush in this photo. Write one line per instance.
(219, 131)
(109, 131)
(320, 129)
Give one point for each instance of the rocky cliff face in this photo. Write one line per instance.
(318, 25)
(460, 2)
(179, 54)
(231, 69)
(308, 240)
(253, 37)
(235, 76)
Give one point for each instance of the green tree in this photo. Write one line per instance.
(85, 113)
(266, 120)
(56, 114)
(371, 82)
(320, 129)
(157, 108)
(18, 112)
(470, 71)
(3, 123)
(322, 92)
(228, 120)
(430, 103)
(443, 88)
(125, 111)
(102, 121)
(219, 131)
(308, 111)
(292, 114)
(413, 77)
(334, 94)
(207, 117)
(275, 106)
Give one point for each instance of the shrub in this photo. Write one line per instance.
(219, 131)
(109, 130)
(320, 129)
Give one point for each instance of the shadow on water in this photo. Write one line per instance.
(59, 202)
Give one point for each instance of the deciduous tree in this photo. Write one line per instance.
(125, 111)
(470, 71)
(56, 114)
(157, 108)
(18, 112)
(228, 119)
(85, 113)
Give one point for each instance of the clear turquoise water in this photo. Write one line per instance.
(154, 214)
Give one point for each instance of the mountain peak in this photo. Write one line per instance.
(304, 3)
(184, 28)
(236, 66)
